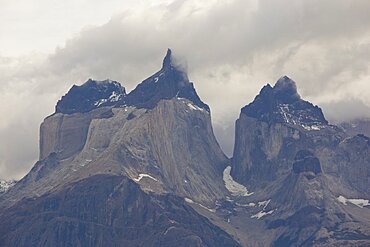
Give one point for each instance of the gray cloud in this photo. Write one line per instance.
(232, 49)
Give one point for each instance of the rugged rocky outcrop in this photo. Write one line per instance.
(298, 166)
(273, 128)
(283, 104)
(144, 169)
(168, 83)
(152, 151)
(106, 210)
(91, 95)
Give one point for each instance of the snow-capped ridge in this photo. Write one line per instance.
(282, 104)
(90, 95)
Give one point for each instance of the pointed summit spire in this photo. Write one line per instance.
(167, 61)
(285, 83)
(283, 104)
(285, 90)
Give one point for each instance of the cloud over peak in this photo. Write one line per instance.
(232, 49)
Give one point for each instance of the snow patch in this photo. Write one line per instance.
(289, 118)
(361, 203)
(264, 204)
(261, 214)
(209, 209)
(194, 107)
(100, 102)
(235, 188)
(312, 127)
(285, 111)
(188, 200)
(114, 97)
(143, 175)
(251, 204)
(6, 185)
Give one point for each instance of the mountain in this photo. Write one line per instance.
(168, 83)
(283, 104)
(303, 169)
(124, 168)
(144, 169)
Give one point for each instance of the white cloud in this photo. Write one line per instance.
(232, 47)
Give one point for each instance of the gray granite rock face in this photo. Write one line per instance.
(122, 171)
(66, 134)
(167, 146)
(144, 169)
(173, 143)
(305, 168)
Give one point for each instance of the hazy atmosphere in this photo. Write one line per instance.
(231, 48)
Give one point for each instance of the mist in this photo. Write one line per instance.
(230, 48)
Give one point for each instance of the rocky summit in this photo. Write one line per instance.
(287, 154)
(283, 104)
(170, 82)
(135, 163)
(144, 169)
(91, 95)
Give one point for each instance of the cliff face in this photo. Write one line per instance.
(66, 134)
(287, 153)
(159, 134)
(273, 128)
(122, 169)
(144, 169)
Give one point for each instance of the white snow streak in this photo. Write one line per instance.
(195, 107)
(361, 203)
(143, 175)
(260, 214)
(188, 200)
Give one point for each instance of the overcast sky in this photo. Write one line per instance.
(232, 48)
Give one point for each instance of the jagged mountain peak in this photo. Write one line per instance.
(171, 81)
(285, 90)
(90, 95)
(283, 104)
(167, 61)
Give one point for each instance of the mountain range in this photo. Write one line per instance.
(144, 169)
